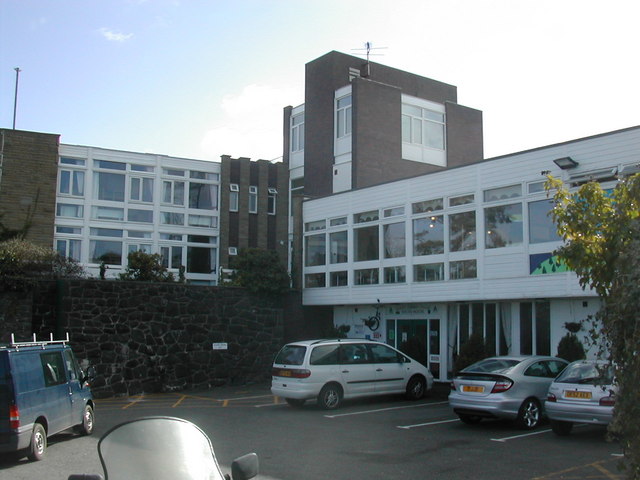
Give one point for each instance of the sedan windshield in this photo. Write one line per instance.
(492, 365)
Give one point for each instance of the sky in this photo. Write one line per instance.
(202, 78)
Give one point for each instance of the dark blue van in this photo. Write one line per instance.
(43, 391)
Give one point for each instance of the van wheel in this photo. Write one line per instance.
(416, 388)
(38, 444)
(86, 427)
(330, 396)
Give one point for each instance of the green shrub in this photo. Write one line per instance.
(570, 348)
(472, 351)
(146, 267)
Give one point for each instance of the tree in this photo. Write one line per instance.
(146, 267)
(21, 262)
(601, 233)
(260, 271)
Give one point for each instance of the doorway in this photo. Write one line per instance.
(420, 339)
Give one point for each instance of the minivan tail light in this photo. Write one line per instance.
(551, 398)
(502, 386)
(14, 417)
(291, 372)
(607, 401)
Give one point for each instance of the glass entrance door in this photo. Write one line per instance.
(420, 339)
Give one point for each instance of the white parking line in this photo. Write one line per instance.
(506, 439)
(384, 409)
(407, 427)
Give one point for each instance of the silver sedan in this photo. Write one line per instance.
(582, 393)
(509, 387)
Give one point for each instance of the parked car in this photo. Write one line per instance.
(509, 387)
(43, 391)
(582, 393)
(333, 370)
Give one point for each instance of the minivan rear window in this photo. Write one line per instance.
(291, 355)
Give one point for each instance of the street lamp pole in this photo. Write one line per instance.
(15, 98)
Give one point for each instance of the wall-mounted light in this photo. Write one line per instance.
(565, 163)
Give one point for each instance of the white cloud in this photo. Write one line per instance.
(251, 123)
(115, 36)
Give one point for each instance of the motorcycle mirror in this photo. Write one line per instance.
(245, 467)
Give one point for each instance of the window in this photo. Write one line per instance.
(541, 226)
(427, 206)
(315, 250)
(141, 189)
(364, 217)
(536, 187)
(173, 192)
(138, 234)
(462, 231)
(171, 256)
(108, 186)
(366, 243)
(428, 235)
(107, 251)
(174, 172)
(334, 222)
(203, 175)
(205, 221)
(142, 168)
(297, 132)
(343, 116)
(503, 226)
(271, 201)
(354, 354)
(72, 161)
(367, 276)
(314, 280)
(139, 247)
(338, 279)
(535, 328)
(393, 212)
(253, 199)
(462, 269)
(422, 126)
(430, 272)
(320, 355)
(313, 226)
(394, 240)
(110, 165)
(395, 274)
(171, 236)
(461, 200)
(69, 230)
(201, 260)
(203, 195)
(53, 369)
(69, 210)
(171, 218)
(68, 248)
(107, 213)
(71, 183)
(383, 354)
(142, 216)
(503, 193)
(233, 197)
(202, 239)
(338, 247)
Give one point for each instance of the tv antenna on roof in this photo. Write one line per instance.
(368, 46)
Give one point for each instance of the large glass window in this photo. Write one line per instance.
(535, 328)
(69, 210)
(203, 195)
(503, 226)
(107, 213)
(462, 269)
(430, 272)
(343, 116)
(541, 226)
(173, 192)
(314, 280)
(338, 247)
(338, 279)
(366, 243)
(171, 218)
(428, 235)
(315, 250)
(394, 240)
(108, 186)
(422, 126)
(297, 132)
(462, 231)
(68, 248)
(395, 274)
(141, 189)
(205, 221)
(171, 256)
(71, 183)
(367, 276)
(137, 215)
(107, 251)
(201, 260)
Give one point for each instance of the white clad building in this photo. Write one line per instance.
(463, 250)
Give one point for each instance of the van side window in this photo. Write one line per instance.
(53, 369)
(384, 354)
(73, 369)
(324, 355)
(354, 354)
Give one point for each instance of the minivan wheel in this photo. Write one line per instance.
(561, 428)
(330, 396)
(295, 402)
(416, 388)
(86, 427)
(529, 414)
(38, 444)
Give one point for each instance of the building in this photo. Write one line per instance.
(463, 250)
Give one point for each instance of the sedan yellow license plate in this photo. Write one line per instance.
(472, 388)
(285, 373)
(577, 394)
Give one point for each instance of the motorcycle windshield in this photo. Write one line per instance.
(158, 448)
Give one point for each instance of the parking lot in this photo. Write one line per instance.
(379, 438)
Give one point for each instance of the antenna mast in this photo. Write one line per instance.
(15, 98)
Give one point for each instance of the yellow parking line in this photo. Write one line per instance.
(604, 471)
(225, 403)
(179, 401)
(139, 399)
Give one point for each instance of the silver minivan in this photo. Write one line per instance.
(332, 370)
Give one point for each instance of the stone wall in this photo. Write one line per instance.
(152, 337)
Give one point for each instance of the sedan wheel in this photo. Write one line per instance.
(529, 414)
